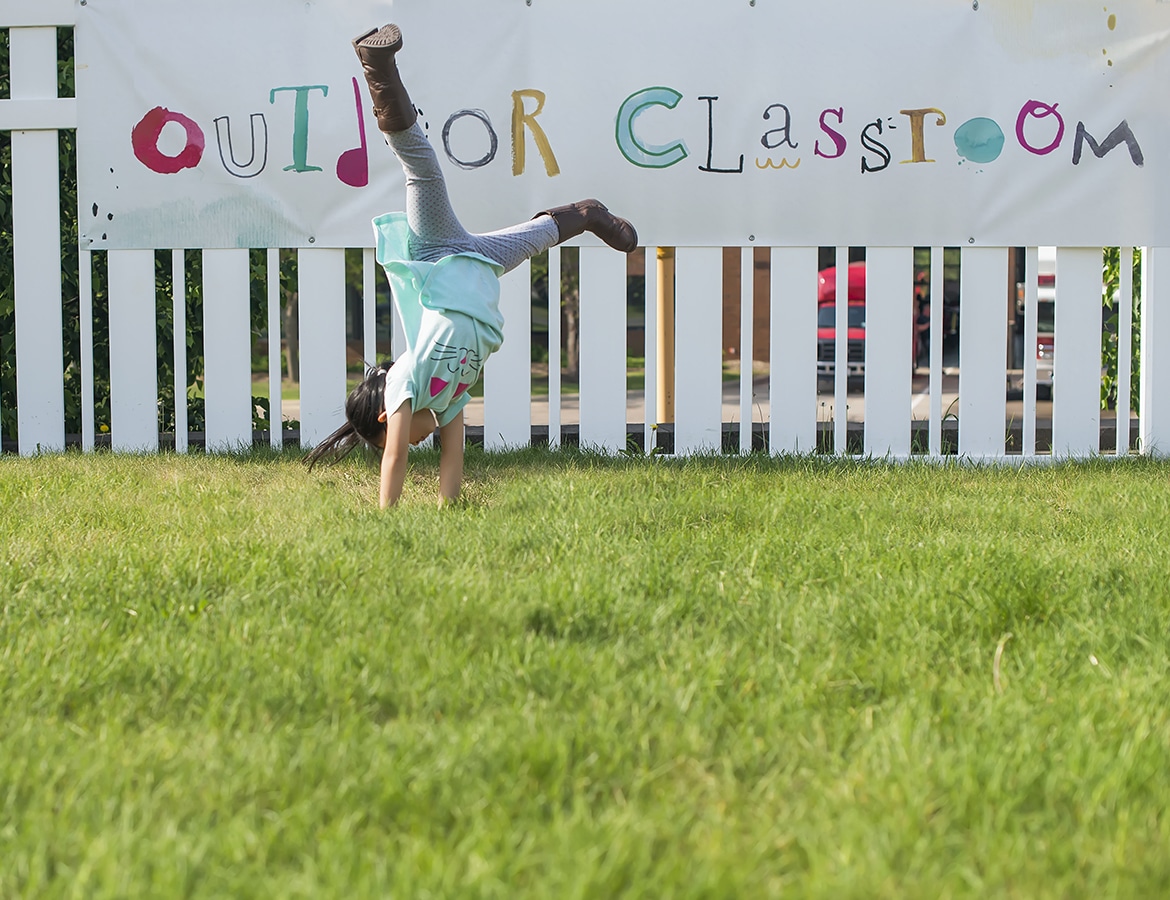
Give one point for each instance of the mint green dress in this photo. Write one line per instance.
(450, 312)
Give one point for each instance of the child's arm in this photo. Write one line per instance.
(451, 459)
(394, 451)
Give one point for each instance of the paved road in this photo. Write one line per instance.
(635, 403)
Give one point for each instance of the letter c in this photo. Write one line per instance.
(648, 156)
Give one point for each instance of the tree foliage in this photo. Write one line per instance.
(1111, 298)
(570, 284)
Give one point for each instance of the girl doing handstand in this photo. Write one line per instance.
(445, 283)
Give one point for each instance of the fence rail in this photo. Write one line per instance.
(794, 418)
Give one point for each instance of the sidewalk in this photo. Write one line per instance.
(636, 407)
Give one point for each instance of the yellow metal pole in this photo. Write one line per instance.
(665, 334)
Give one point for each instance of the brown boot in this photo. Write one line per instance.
(392, 106)
(592, 216)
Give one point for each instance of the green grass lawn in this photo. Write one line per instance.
(597, 677)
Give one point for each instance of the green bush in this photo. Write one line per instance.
(1111, 299)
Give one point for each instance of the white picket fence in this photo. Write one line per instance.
(793, 414)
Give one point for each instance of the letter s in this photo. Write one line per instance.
(838, 139)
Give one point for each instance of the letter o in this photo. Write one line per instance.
(144, 140)
(979, 140)
(487, 123)
(1036, 109)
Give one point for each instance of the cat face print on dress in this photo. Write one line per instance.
(463, 364)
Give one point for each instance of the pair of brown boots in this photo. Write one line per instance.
(392, 107)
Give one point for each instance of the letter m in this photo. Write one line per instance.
(1121, 133)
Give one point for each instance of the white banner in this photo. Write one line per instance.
(220, 123)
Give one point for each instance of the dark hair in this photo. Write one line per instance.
(362, 407)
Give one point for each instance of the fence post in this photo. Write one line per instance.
(698, 339)
(1076, 403)
(602, 411)
(1154, 415)
(227, 378)
(792, 390)
(36, 249)
(321, 289)
(133, 353)
(983, 335)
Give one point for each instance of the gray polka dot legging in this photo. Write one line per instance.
(435, 231)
